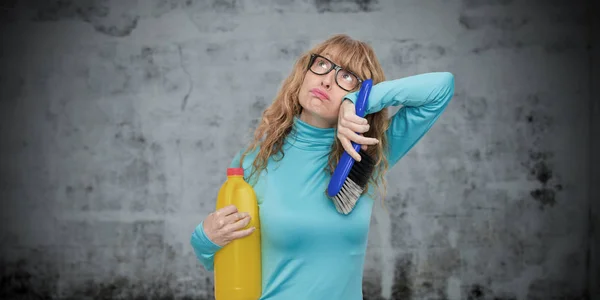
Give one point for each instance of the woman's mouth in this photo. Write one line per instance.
(319, 94)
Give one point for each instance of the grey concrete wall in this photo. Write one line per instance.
(118, 119)
(594, 255)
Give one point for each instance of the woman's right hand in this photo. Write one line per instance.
(225, 225)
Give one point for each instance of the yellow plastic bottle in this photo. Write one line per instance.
(237, 266)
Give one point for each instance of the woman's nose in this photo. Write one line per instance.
(327, 80)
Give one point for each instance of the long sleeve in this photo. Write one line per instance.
(203, 247)
(423, 97)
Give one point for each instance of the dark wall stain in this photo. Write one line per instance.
(406, 51)
(541, 171)
(479, 292)
(214, 121)
(30, 278)
(502, 44)
(474, 109)
(372, 289)
(431, 290)
(273, 77)
(56, 10)
(27, 280)
(37, 275)
(538, 162)
(346, 6)
(96, 13)
(128, 24)
(292, 50)
(475, 155)
(472, 4)
(544, 196)
(258, 106)
(78, 195)
(226, 6)
(24, 285)
(476, 293)
(205, 145)
(139, 172)
(533, 115)
(92, 9)
(403, 279)
(129, 136)
(164, 6)
(500, 23)
(401, 228)
(146, 59)
(213, 48)
(256, 110)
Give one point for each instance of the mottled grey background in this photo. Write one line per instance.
(118, 119)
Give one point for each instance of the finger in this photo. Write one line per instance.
(354, 118)
(234, 217)
(242, 233)
(355, 127)
(225, 211)
(359, 139)
(347, 145)
(237, 225)
(363, 147)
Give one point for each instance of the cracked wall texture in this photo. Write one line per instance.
(120, 117)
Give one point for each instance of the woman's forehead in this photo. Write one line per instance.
(333, 53)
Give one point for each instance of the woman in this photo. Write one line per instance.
(309, 250)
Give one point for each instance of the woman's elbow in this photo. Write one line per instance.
(447, 79)
(446, 85)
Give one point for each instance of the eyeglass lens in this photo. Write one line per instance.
(344, 79)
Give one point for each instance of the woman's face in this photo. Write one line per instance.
(320, 95)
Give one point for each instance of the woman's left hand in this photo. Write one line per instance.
(350, 128)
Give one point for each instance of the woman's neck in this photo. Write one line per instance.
(315, 120)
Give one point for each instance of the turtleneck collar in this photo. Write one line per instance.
(309, 137)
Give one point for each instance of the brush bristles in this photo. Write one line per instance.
(355, 183)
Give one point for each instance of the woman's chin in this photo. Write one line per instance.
(317, 107)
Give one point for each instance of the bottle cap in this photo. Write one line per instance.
(235, 171)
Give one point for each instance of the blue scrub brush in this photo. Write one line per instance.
(350, 178)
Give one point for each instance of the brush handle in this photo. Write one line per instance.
(346, 161)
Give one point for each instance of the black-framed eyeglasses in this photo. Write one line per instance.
(345, 79)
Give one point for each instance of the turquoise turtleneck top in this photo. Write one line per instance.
(309, 250)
